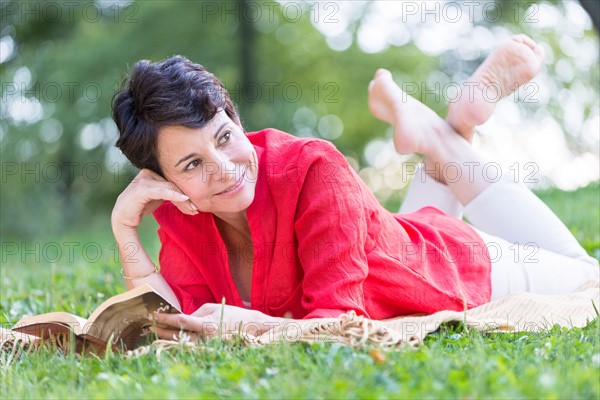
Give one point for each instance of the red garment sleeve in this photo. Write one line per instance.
(183, 277)
(331, 229)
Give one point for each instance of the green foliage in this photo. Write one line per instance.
(74, 208)
(582, 214)
(59, 166)
(453, 363)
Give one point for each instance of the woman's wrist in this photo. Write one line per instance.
(134, 260)
(125, 235)
(136, 277)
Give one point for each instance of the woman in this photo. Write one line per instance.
(282, 227)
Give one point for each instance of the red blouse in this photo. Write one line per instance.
(324, 245)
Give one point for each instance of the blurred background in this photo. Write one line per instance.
(299, 66)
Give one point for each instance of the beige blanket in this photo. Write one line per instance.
(516, 313)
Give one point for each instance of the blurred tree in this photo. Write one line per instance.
(247, 50)
(593, 9)
(300, 66)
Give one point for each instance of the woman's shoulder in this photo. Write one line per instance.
(171, 220)
(279, 145)
(166, 210)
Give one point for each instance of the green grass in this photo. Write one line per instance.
(452, 363)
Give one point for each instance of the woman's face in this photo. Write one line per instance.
(215, 166)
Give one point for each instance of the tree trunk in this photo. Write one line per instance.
(248, 62)
(593, 9)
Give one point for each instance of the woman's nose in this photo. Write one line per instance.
(227, 171)
(223, 169)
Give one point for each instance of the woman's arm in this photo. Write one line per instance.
(138, 268)
(211, 319)
(141, 197)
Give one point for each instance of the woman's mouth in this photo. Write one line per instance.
(238, 185)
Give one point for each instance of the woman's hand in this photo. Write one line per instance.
(146, 192)
(205, 322)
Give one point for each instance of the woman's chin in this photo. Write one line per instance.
(237, 203)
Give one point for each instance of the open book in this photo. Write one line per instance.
(125, 317)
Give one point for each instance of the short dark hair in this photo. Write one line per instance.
(173, 92)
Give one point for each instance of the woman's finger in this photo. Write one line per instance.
(172, 334)
(163, 193)
(145, 173)
(203, 326)
(207, 309)
(186, 207)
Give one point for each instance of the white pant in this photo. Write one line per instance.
(530, 249)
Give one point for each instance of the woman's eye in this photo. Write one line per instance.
(224, 138)
(192, 165)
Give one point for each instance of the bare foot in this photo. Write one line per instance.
(514, 63)
(415, 124)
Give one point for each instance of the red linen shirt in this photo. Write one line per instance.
(324, 245)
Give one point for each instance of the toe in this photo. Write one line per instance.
(382, 72)
(522, 38)
(539, 52)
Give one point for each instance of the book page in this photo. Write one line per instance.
(50, 323)
(7, 335)
(126, 316)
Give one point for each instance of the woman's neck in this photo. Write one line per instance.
(236, 221)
